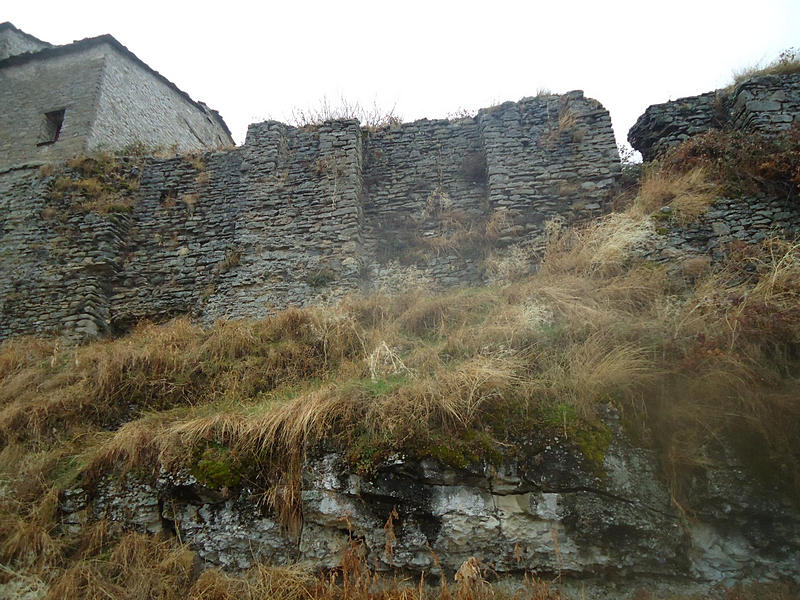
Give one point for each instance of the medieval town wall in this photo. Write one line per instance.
(295, 216)
(765, 103)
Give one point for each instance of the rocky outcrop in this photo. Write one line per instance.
(549, 509)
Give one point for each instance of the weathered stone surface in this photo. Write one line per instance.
(671, 123)
(728, 220)
(552, 512)
(233, 533)
(297, 216)
(13, 41)
(767, 104)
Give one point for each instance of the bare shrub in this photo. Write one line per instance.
(372, 118)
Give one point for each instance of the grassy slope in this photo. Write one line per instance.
(688, 359)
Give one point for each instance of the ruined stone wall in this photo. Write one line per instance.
(743, 219)
(56, 261)
(303, 215)
(176, 238)
(556, 153)
(663, 126)
(135, 106)
(442, 194)
(298, 238)
(766, 104)
(426, 193)
(770, 103)
(234, 234)
(296, 216)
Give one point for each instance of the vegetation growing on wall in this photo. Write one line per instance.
(103, 183)
(742, 163)
(371, 118)
(788, 62)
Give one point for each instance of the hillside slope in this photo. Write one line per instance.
(609, 418)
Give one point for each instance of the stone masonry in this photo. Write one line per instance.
(766, 104)
(296, 216)
(13, 41)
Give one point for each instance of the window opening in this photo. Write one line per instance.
(51, 128)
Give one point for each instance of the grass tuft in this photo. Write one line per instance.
(787, 63)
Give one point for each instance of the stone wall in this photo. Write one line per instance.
(663, 126)
(554, 152)
(56, 261)
(426, 192)
(441, 193)
(239, 234)
(296, 216)
(770, 103)
(766, 104)
(744, 219)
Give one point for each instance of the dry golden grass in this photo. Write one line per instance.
(141, 567)
(138, 567)
(602, 249)
(687, 194)
(160, 367)
(788, 62)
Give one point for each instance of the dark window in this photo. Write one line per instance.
(51, 128)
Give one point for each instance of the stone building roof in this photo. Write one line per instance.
(8, 25)
(87, 43)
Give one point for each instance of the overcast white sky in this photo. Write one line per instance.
(258, 60)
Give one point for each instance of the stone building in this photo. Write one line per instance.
(93, 94)
(13, 42)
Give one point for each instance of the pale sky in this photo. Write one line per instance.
(257, 60)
